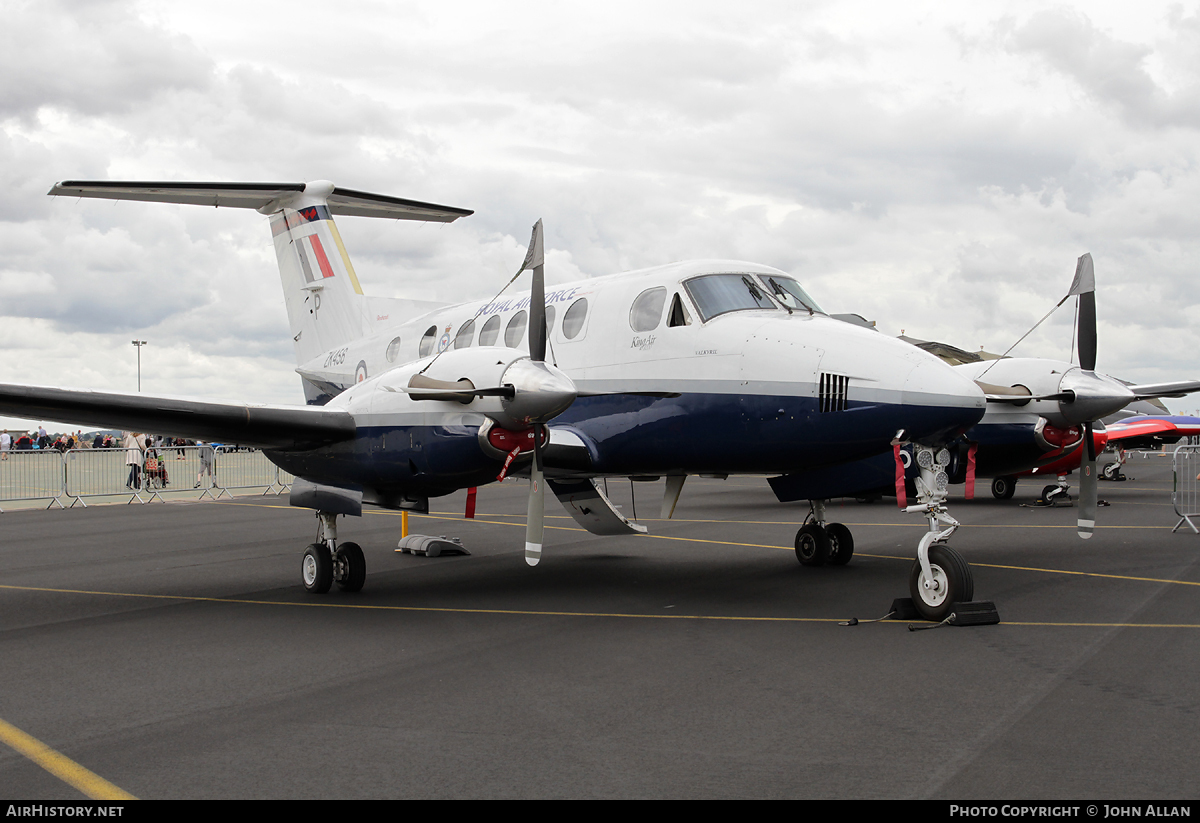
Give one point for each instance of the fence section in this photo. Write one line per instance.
(245, 469)
(1185, 494)
(31, 475)
(88, 474)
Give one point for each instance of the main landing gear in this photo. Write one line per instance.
(326, 563)
(818, 542)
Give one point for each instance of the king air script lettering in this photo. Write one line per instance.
(642, 343)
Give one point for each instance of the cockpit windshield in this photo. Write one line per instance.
(788, 292)
(716, 294)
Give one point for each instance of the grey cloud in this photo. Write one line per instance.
(1110, 70)
(91, 58)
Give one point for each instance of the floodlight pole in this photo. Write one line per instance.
(139, 344)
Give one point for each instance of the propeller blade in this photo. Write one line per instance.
(537, 503)
(1179, 388)
(537, 295)
(1088, 491)
(1085, 286)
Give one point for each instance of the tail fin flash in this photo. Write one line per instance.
(325, 303)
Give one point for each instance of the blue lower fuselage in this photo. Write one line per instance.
(630, 435)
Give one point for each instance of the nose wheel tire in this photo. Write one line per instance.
(841, 544)
(1003, 488)
(349, 567)
(812, 545)
(952, 583)
(316, 569)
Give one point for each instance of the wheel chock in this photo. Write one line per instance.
(972, 613)
(430, 546)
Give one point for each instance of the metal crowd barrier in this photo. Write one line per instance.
(32, 475)
(85, 473)
(244, 469)
(1185, 494)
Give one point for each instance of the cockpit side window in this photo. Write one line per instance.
(678, 316)
(646, 313)
(790, 293)
(716, 294)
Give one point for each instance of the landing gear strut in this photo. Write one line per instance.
(940, 577)
(818, 542)
(326, 563)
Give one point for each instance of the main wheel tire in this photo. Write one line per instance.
(350, 568)
(1003, 488)
(955, 584)
(316, 569)
(841, 544)
(812, 545)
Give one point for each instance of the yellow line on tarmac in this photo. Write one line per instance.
(375, 607)
(60, 766)
(536, 613)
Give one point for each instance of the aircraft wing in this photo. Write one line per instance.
(259, 196)
(268, 427)
(1167, 426)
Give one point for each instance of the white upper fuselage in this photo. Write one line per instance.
(748, 351)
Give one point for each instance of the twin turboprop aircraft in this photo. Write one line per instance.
(700, 367)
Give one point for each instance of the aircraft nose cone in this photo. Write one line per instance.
(943, 400)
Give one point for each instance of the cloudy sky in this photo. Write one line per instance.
(934, 167)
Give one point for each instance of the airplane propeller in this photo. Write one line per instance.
(1083, 395)
(536, 513)
(532, 392)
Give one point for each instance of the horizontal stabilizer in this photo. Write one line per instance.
(262, 197)
(268, 427)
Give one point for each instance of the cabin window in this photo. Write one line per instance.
(790, 293)
(573, 319)
(393, 350)
(515, 332)
(427, 341)
(716, 294)
(647, 309)
(678, 315)
(549, 321)
(465, 335)
(490, 331)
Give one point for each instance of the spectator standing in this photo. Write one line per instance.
(134, 444)
(206, 464)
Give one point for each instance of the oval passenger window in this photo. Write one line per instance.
(393, 350)
(427, 342)
(490, 331)
(573, 319)
(515, 333)
(465, 335)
